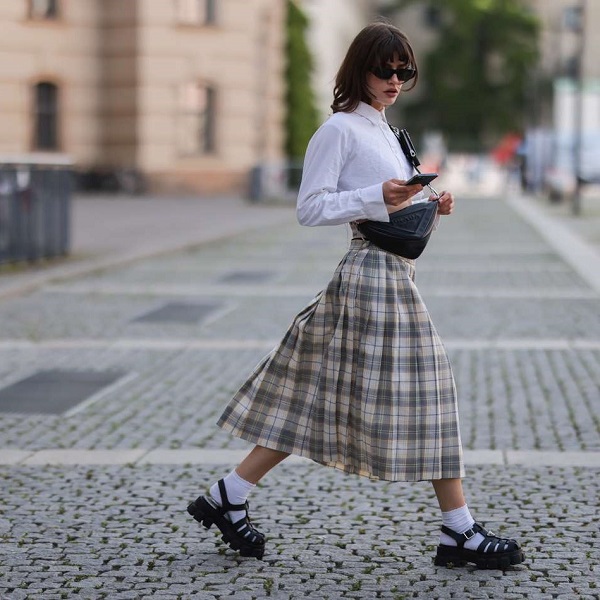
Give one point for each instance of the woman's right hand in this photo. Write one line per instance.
(397, 196)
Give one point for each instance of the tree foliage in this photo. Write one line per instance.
(476, 76)
(301, 113)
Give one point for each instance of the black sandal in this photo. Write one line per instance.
(493, 553)
(241, 535)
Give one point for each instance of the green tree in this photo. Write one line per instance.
(476, 77)
(302, 117)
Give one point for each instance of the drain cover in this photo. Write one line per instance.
(54, 392)
(179, 312)
(247, 277)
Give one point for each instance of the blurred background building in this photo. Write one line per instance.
(193, 95)
(187, 93)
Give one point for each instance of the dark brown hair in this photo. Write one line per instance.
(374, 46)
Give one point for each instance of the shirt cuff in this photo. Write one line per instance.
(374, 205)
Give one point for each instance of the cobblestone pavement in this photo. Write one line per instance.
(523, 332)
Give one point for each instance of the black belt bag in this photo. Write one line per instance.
(409, 229)
(407, 232)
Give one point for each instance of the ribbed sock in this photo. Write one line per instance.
(460, 520)
(237, 489)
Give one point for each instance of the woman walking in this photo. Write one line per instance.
(361, 381)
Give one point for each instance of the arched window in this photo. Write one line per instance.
(46, 116)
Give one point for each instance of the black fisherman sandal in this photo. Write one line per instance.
(493, 553)
(241, 535)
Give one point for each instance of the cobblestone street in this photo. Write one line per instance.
(93, 498)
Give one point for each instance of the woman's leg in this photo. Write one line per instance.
(258, 463)
(226, 505)
(449, 493)
(462, 540)
(242, 480)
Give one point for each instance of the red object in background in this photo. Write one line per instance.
(506, 149)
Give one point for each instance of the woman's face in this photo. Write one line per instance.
(385, 91)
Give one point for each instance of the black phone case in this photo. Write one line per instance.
(428, 178)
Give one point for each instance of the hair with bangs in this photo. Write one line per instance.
(374, 46)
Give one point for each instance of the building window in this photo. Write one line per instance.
(46, 116)
(197, 12)
(43, 9)
(196, 121)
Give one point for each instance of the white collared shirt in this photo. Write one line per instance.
(347, 161)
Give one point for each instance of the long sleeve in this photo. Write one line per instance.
(319, 201)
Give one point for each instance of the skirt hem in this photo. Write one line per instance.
(348, 469)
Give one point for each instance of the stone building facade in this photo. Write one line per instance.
(188, 92)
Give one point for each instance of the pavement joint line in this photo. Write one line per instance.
(219, 456)
(138, 344)
(270, 265)
(525, 293)
(288, 291)
(184, 290)
(170, 344)
(493, 268)
(492, 250)
(578, 253)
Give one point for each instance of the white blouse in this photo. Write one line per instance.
(347, 161)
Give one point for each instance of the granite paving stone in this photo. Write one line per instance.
(96, 529)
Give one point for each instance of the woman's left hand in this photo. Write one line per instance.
(445, 203)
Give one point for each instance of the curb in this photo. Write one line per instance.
(219, 456)
(578, 253)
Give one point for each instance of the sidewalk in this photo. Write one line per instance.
(575, 238)
(111, 230)
(585, 225)
(93, 495)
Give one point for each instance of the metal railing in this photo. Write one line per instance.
(35, 207)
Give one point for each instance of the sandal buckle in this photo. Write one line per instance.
(469, 533)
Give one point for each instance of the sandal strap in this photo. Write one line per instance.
(490, 544)
(245, 529)
(225, 504)
(461, 538)
(493, 543)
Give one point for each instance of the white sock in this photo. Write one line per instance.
(459, 520)
(237, 489)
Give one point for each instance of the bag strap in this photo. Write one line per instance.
(407, 146)
(409, 150)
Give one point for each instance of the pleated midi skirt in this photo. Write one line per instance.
(360, 381)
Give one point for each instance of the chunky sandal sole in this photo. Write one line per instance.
(206, 514)
(449, 556)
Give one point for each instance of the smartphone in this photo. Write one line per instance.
(421, 179)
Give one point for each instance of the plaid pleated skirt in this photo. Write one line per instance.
(360, 381)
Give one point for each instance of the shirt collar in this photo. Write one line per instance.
(372, 114)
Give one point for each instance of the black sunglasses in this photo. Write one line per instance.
(387, 73)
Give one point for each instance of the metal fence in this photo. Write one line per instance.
(35, 208)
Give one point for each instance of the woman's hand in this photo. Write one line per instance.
(397, 196)
(445, 203)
